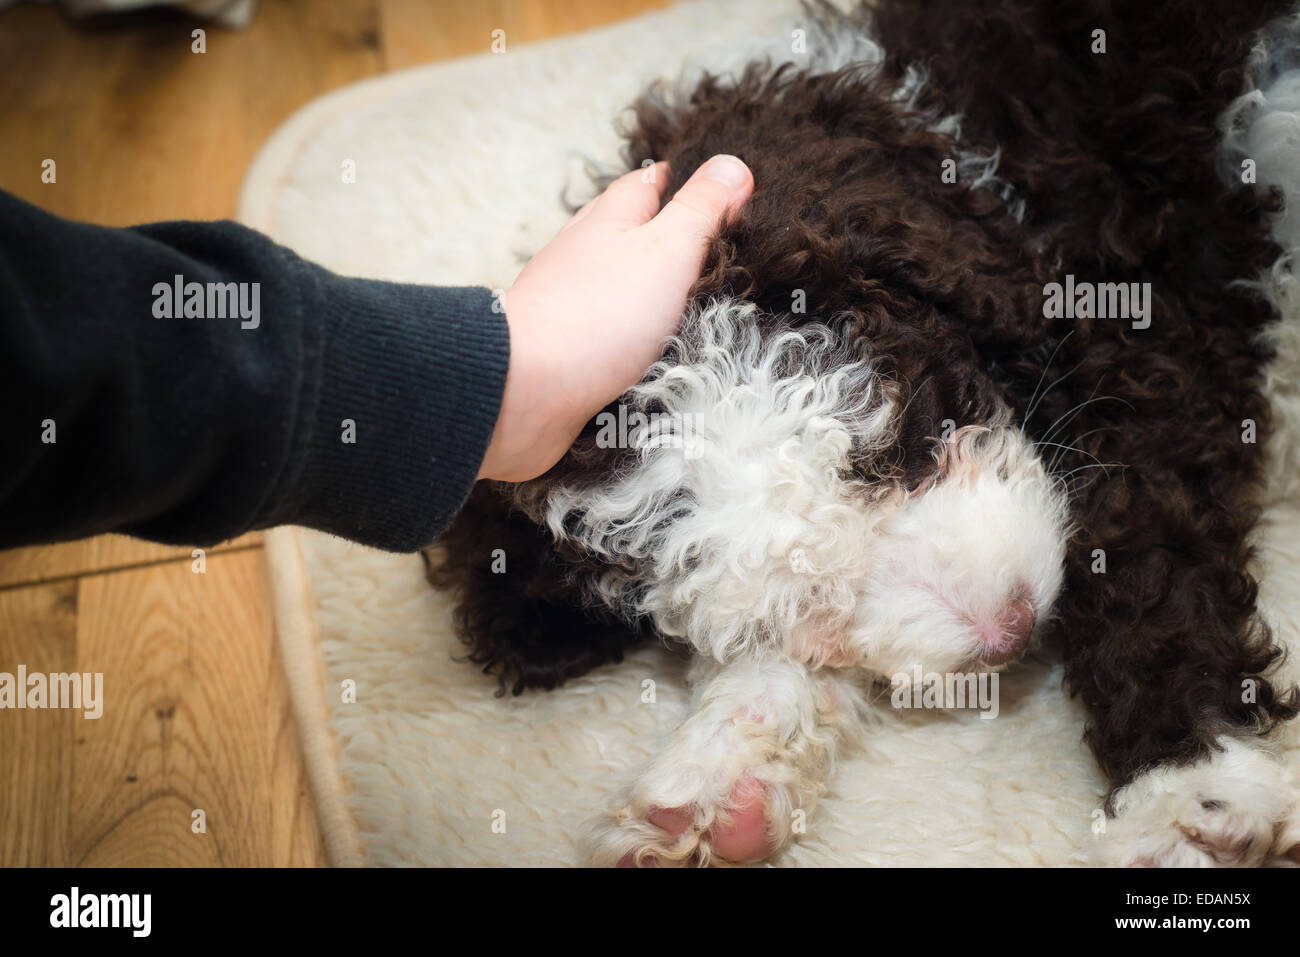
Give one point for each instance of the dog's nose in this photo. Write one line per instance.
(1009, 634)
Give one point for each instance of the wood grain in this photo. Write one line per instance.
(183, 654)
(43, 563)
(38, 628)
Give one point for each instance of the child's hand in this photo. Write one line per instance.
(591, 311)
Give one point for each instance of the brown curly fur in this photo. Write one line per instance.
(1114, 155)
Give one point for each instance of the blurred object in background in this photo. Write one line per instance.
(228, 13)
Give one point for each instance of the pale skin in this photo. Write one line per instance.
(587, 316)
(591, 312)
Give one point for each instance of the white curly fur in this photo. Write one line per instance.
(1263, 126)
(755, 519)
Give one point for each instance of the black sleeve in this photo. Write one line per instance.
(189, 382)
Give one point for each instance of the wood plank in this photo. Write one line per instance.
(38, 563)
(38, 628)
(141, 127)
(196, 716)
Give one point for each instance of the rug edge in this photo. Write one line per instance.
(297, 637)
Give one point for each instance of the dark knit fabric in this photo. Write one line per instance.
(358, 407)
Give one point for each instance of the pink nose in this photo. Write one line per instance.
(1007, 637)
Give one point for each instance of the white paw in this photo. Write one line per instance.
(705, 801)
(1237, 808)
(731, 784)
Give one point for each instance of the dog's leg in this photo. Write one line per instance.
(1176, 724)
(1239, 805)
(1181, 678)
(736, 774)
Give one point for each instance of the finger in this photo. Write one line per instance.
(692, 217)
(580, 214)
(633, 198)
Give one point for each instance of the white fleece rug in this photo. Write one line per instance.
(459, 169)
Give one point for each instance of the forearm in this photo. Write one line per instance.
(356, 407)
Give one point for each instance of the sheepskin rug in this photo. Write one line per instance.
(459, 173)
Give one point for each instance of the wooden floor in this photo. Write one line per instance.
(196, 715)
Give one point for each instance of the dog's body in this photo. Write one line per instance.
(877, 442)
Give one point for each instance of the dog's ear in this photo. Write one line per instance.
(921, 428)
(518, 609)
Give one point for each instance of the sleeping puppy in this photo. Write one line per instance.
(974, 364)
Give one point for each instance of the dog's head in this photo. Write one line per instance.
(833, 469)
(768, 485)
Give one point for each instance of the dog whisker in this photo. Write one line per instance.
(1033, 396)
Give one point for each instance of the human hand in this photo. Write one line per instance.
(591, 312)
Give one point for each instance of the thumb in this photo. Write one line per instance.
(693, 216)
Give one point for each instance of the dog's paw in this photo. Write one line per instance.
(735, 830)
(1236, 808)
(737, 774)
(723, 792)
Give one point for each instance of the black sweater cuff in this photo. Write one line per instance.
(409, 389)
